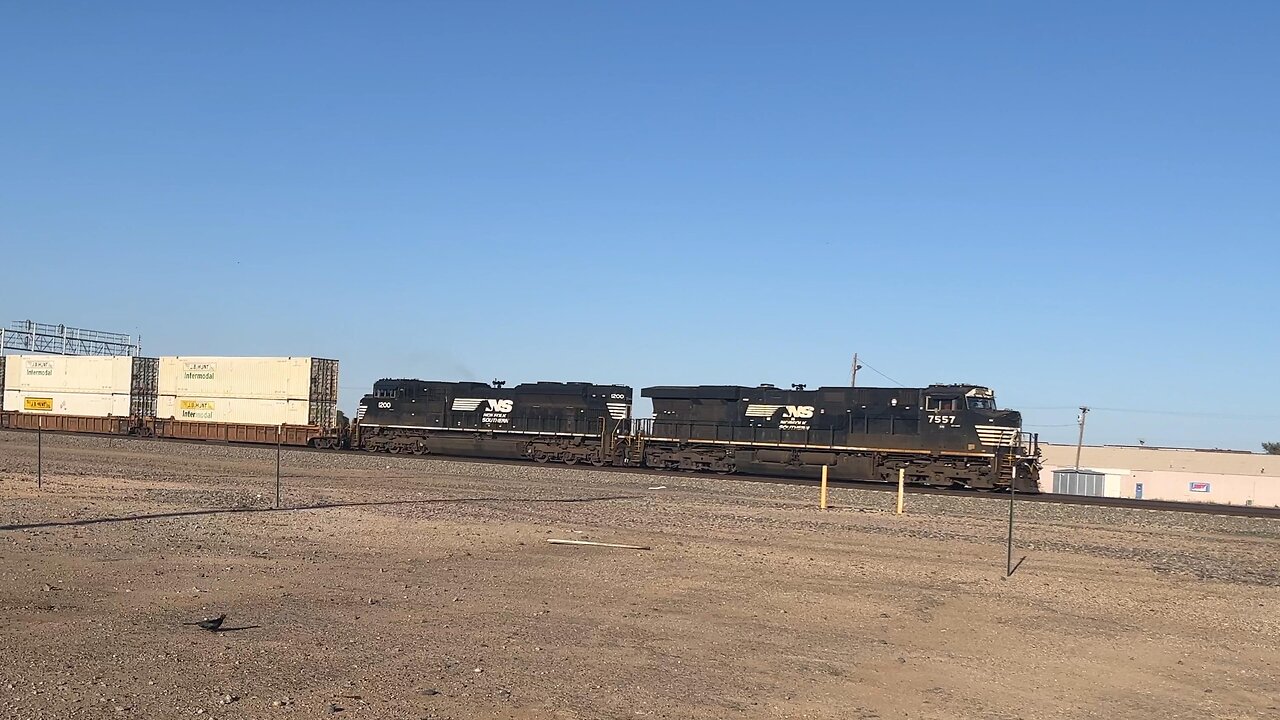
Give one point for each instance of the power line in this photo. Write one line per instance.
(867, 365)
(1175, 413)
(1191, 414)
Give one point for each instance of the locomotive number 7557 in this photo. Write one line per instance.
(942, 419)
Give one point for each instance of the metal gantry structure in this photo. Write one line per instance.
(34, 337)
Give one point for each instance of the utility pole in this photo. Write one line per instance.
(853, 371)
(1080, 443)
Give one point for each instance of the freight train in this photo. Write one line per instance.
(940, 435)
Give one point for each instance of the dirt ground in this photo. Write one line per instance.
(423, 588)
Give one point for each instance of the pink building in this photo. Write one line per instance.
(1156, 473)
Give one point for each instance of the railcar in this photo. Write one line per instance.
(941, 435)
(571, 422)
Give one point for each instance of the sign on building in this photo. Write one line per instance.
(1199, 487)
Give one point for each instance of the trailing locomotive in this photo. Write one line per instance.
(545, 421)
(942, 435)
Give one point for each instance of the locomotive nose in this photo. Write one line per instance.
(1002, 418)
(1009, 418)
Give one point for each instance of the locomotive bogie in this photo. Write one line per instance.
(570, 451)
(704, 458)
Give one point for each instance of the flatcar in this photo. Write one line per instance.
(571, 422)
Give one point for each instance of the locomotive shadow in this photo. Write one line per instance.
(303, 508)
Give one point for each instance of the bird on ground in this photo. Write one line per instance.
(210, 624)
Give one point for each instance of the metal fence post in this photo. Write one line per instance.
(1008, 563)
(39, 453)
(279, 442)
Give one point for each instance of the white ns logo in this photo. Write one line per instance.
(502, 406)
(800, 411)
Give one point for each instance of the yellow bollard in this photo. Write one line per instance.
(822, 496)
(902, 477)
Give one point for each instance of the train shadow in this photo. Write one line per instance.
(303, 508)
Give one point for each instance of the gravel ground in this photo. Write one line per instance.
(408, 587)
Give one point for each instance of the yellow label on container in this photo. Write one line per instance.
(195, 409)
(38, 404)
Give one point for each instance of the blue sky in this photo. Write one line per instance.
(1074, 203)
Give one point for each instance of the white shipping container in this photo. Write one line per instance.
(266, 378)
(69, 373)
(245, 411)
(42, 402)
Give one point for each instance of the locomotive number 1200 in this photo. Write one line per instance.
(942, 419)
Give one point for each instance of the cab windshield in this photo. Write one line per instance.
(982, 403)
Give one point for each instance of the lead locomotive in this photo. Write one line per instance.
(942, 435)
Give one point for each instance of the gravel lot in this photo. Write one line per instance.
(424, 588)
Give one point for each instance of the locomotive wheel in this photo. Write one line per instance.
(598, 461)
(570, 459)
(420, 449)
(540, 457)
(725, 470)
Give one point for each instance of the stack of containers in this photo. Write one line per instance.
(249, 390)
(68, 385)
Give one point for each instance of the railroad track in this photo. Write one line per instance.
(1150, 505)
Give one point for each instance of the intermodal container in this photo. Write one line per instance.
(53, 402)
(69, 374)
(249, 390)
(267, 378)
(248, 411)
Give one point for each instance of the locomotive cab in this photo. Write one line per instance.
(961, 406)
(981, 403)
(966, 419)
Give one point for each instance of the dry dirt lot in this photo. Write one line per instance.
(412, 588)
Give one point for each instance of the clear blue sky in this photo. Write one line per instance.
(1074, 203)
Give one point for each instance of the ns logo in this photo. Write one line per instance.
(800, 412)
(490, 405)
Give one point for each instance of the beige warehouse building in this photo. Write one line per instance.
(1159, 473)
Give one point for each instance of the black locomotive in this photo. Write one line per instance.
(545, 421)
(942, 435)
